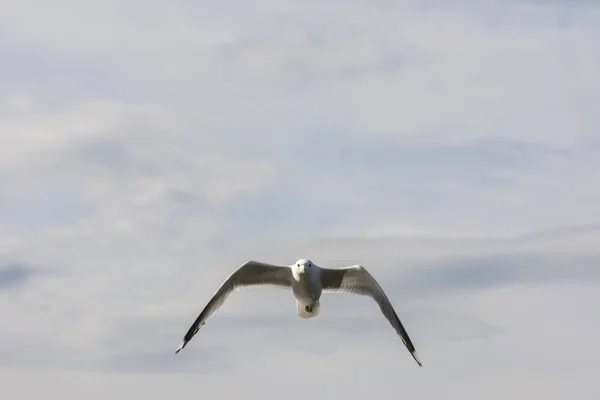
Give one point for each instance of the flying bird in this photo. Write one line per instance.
(307, 281)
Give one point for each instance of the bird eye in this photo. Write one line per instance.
(309, 265)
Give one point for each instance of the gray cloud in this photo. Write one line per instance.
(15, 274)
(481, 273)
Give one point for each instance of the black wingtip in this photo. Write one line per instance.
(414, 354)
(188, 336)
(181, 346)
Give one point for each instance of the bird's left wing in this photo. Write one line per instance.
(356, 279)
(251, 273)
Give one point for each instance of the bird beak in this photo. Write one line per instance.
(303, 270)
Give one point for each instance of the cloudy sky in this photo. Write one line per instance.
(147, 148)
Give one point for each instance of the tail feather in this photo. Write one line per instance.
(302, 312)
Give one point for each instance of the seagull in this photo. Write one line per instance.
(307, 281)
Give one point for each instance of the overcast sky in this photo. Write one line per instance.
(148, 148)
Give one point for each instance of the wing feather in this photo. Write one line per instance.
(356, 279)
(251, 273)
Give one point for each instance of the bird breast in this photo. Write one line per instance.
(306, 289)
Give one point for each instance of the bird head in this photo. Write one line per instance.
(303, 266)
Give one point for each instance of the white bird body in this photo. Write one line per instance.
(307, 282)
(306, 287)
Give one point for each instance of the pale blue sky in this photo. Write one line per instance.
(148, 148)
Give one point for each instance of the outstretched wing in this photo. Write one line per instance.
(356, 279)
(251, 273)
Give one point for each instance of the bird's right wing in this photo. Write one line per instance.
(251, 273)
(356, 279)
